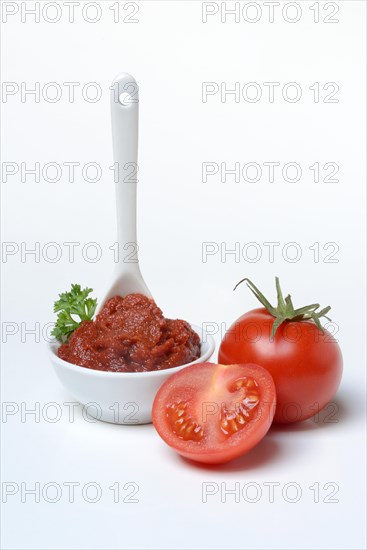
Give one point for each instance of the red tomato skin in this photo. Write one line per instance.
(257, 430)
(305, 364)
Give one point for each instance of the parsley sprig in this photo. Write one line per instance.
(73, 303)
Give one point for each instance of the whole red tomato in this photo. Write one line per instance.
(304, 360)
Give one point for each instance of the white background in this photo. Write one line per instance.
(171, 52)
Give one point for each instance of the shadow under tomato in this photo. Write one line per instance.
(266, 451)
(335, 412)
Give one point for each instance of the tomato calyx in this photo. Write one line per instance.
(284, 311)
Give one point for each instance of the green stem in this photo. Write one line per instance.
(284, 311)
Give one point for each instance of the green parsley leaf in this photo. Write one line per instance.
(70, 305)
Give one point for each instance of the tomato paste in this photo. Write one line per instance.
(131, 334)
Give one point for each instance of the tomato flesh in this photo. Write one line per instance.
(214, 413)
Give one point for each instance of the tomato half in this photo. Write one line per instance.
(214, 413)
(306, 364)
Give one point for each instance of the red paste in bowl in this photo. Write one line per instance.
(131, 334)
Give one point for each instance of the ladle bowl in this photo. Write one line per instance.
(119, 397)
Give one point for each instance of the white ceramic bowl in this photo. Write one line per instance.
(119, 397)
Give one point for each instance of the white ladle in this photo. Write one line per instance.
(132, 392)
(125, 117)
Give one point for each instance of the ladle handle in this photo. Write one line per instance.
(125, 115)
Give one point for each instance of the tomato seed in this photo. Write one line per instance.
(183, 426)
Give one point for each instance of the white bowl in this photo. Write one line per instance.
(119, 397)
